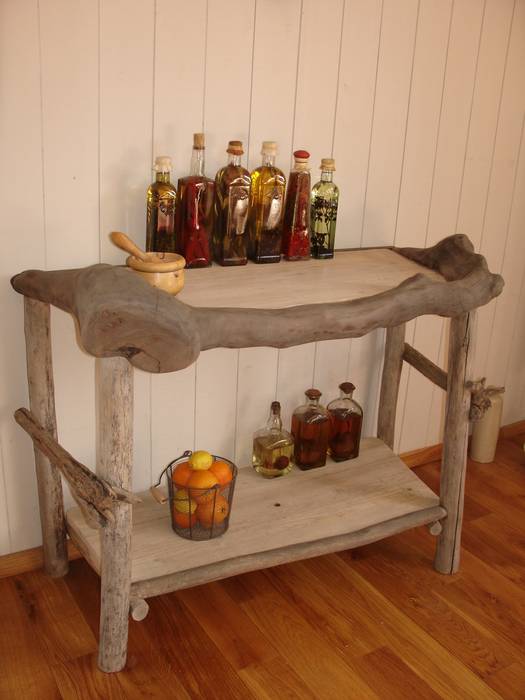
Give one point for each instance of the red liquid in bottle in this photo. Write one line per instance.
(345, 434)
(194, 219)
(310, 440)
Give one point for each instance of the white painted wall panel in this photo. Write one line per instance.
(421, 103)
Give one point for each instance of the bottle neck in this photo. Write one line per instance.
(327, 176)
(274, 421)
(346, 394)
(197, 162)
(234, 159)
(313, 402)
(162, 176)
(268, 160)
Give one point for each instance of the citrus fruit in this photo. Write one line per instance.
(183, 503)
(200, 485)
(201, 460)
(185, 520)
(222, 471)
(211, 513)
(181, 473)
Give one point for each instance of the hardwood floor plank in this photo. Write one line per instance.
(225, 622)
(55, 617)
(24, 669)
(313, 659)
(276, 679)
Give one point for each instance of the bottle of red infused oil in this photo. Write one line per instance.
(346, 417)
(311, 432)
(296, 223)
(194, 210)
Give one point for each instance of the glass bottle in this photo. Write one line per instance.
(266, 208)
(232, 193)
(346, 417)
(311, 432)
(323, 212)
(194, 210)
(296, 240)
(273, 446)
(160, 214)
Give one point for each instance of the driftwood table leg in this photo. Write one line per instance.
(114, 463)
(454, 460)
(394, 347)
(42, 403)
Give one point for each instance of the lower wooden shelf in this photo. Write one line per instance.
(304, 514)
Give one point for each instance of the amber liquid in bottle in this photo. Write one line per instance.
(232, 200)
(266, 208)
(160, 213)
(311, 433)
(346, 417)
(194, 210)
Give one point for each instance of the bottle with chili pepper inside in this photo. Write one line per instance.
(266, 208)
(232, 200)
(296, 239)
(194, 210)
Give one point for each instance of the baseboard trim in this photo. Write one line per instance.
(31, 559)
(416, 458)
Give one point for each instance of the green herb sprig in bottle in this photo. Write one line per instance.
(323, 212)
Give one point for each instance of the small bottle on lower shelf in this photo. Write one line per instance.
(346, 417)
(273, 446)
(311, 432)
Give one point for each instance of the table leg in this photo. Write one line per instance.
(114, 464)
(454, 460)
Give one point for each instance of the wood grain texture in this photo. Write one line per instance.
(425, 366)
(160, 333)
(454, 461)
(114, 464)
(379, 624)
(42, 402)
(95, 496)
(332, 508)
(386, 421)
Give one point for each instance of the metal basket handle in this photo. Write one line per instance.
(156, 491)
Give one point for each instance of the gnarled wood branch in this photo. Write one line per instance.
(95, 496)
(119, 314)
(481, 397)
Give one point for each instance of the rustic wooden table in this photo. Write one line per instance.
(124, 322)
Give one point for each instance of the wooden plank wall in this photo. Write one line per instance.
(421, 102)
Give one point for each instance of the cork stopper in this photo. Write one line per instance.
(301, 156)
(235, 148)
(269, 148)
(328, 164)
(347, 387)
(313, 394)
(276, 408)
(162, 164)
(198, 141)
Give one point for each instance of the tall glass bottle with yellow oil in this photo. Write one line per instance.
(266, 208)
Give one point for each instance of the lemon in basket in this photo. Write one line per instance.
(183, 503)
(200, 460)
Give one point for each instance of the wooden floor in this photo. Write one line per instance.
(377, 623)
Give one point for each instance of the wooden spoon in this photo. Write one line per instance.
(125, 243)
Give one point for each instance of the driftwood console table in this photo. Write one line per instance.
(125, 323)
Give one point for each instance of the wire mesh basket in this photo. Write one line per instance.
(200, 500)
